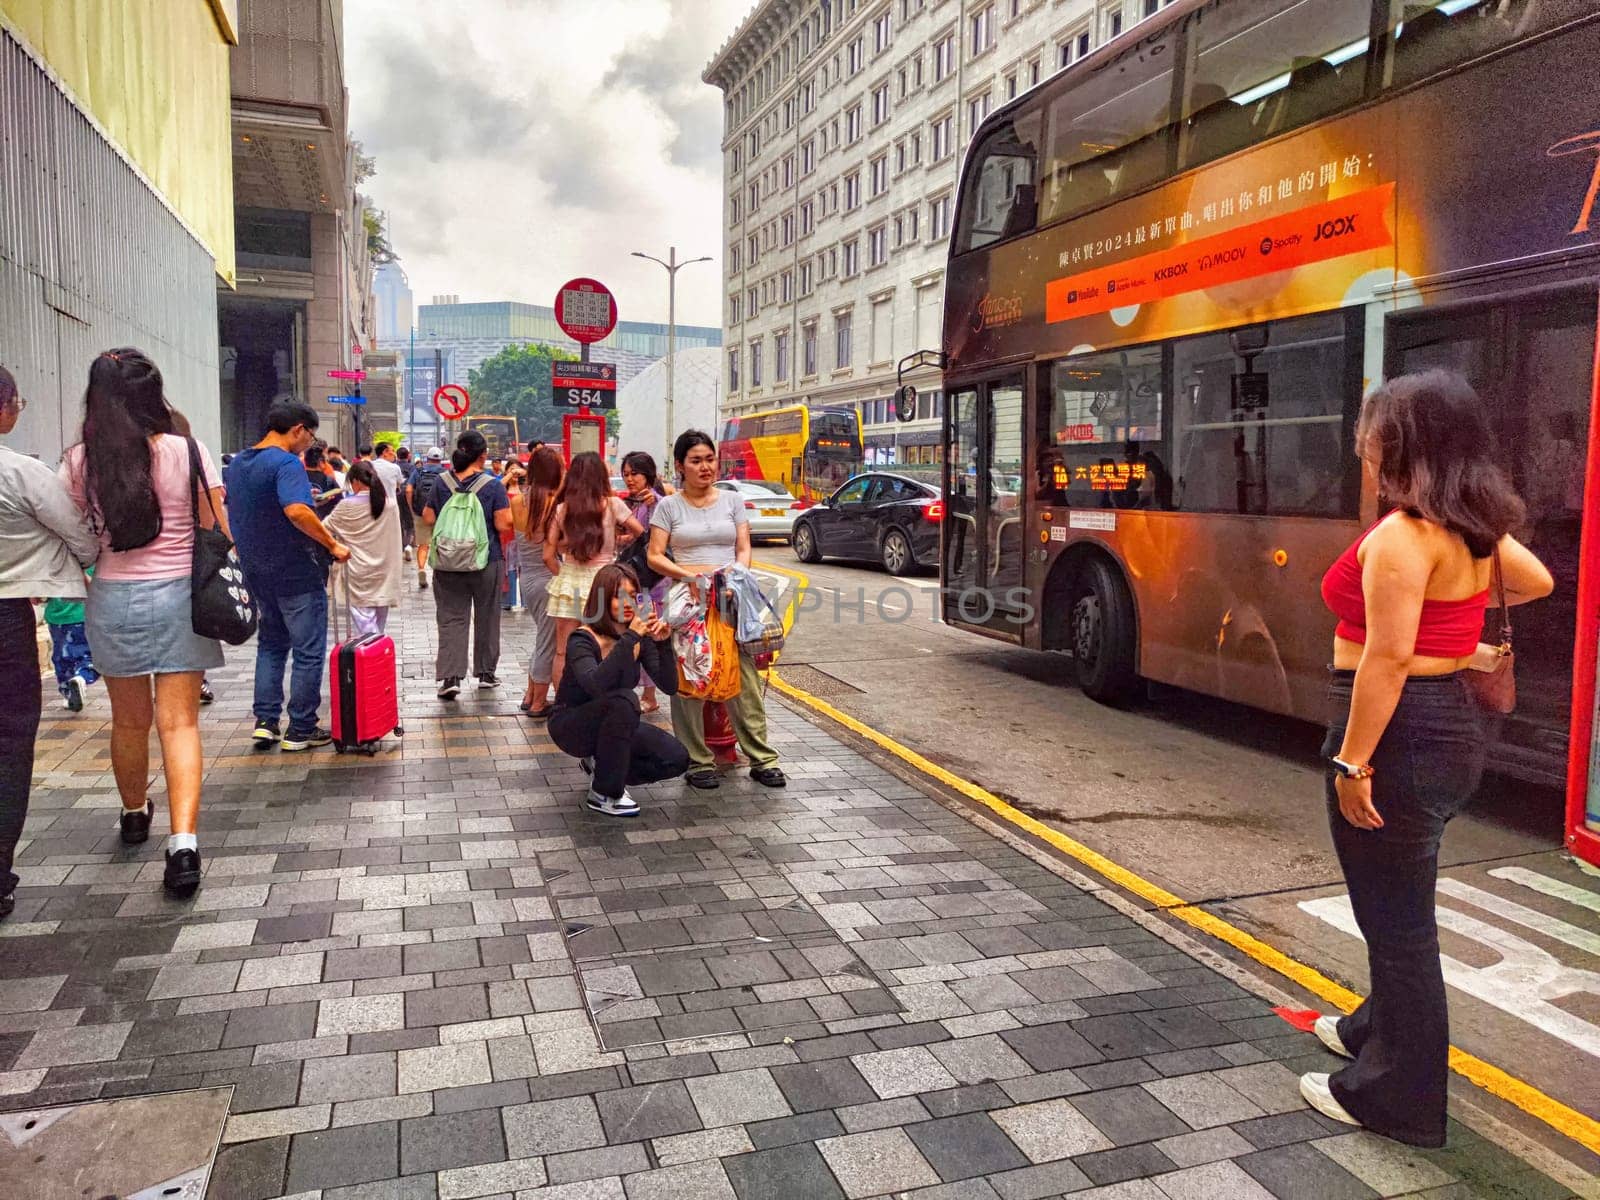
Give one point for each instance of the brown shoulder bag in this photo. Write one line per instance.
(1491, 676)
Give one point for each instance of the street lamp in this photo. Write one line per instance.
(672, 266)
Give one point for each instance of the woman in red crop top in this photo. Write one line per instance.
(1405, 745)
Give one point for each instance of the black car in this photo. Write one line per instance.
(877, 515)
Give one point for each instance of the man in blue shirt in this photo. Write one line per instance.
(284, 551)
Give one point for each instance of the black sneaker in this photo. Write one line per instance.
(705, 779)
(8, 902)
(182, 876)
(450, 688)
(306, 741)
(266, 735)
(74, 694)
(136, 823)
(490, 680)
(207, 696)
(768, 776)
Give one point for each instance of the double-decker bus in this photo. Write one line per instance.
(809, 451)
(1178, 266)
(499, 432)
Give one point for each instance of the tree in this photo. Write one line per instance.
(516, 382)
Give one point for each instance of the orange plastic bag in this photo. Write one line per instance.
(724, 681)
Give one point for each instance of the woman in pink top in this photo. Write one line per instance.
(131, 476)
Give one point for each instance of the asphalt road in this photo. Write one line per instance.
(1221, 805)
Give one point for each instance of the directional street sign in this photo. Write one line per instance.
(586, 310)
(584, 385)
(347, 399)
(347, 374)
(451, 401)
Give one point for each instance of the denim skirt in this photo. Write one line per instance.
(143, 627)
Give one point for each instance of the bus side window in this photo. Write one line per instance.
(1003, 202)
(1435, 35)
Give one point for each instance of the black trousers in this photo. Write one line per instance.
(1427, 765)
(19, 726)
(626, 750)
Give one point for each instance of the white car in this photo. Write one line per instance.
(770, 507)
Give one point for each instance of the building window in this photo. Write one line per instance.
(1113, 24)
(735, 310)
(808, 350)
(913, 219)
(808, 218)
(852, 258)
(1033, 73)
(753, 249)
(752, 302)
(882, 31)
(1011, 86)
(808, 157)
(880, 175)
(877, 246)
(733, 259)
(943, 136)
(755, 363)
(857, 55)
(880, 104)
(852, 191)
(808, 96)
(786, 287)
(780, 357)
(852, 124)
(939, 217)
(916, 148)
(841, 341)
(882, 331)
(733, 370)
(977, 110)
(805, 278)
(733, 209)
(982, 29)
(944, 57)
(788, 171)
(899, 230)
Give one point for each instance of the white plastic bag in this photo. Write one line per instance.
(690, 641)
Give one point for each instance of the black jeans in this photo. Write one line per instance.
(1427, 766)
(462, 599)
(626, 750)
(19, 726)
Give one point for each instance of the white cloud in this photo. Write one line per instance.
(522, 142)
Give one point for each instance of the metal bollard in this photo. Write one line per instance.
(720, 739)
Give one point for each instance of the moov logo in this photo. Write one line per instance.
(1583, 143)
(1336, 228)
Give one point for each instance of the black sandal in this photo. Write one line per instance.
(538, 714)
(769, 776)
(705, 779)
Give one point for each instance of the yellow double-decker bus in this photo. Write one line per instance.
(811, 452)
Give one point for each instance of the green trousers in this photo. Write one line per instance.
(747, 711)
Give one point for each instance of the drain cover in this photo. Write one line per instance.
(140, 1148)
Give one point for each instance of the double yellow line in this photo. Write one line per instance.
(1565, 1120)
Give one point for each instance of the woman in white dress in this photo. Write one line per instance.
(369, 523)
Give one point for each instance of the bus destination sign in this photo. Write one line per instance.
(584, 385)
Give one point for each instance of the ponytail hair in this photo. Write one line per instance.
(362, 473)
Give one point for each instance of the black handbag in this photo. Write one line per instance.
(636, 556)
(220, 605)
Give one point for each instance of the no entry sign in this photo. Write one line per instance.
(586, 310)
(451, 401)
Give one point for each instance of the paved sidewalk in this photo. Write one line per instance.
(433, 974)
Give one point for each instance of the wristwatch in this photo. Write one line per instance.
(1351, 770)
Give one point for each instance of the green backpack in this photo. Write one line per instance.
(461, 535)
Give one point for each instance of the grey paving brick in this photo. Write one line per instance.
(1213, 1181)
(654, 1110)
(250, 1170)
(447, 1005)
(737, 1098)
(981, 1059)
(1125, 1162)
(352, 1077)
(906, 1110)
(1385, 1166)
(503, 1178)
(1049, 1130)
(461, 1139)
(787, 1173)
(688, 1181)
(966, 1146)
(1263, 1133)
(872, 1164)
(78, 1044)
(1130, 1114)
(785, 1131)
(603, 1162)
(1051, 1047)
(338, 1157)
(903, 1072)
(429, 1067)
(286, 970)
(1058, 1178)
(270, 1024)
(203, 979)
(1205, 1145)
(29, 995)
(500, 1094)
(366, 962)
(828, 1083)
(1302, 1172)
(1202, 1100)
(551, 1126)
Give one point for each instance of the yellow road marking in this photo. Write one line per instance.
(1565, 1120)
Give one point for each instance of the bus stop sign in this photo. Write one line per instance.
(584, 385)
(586, 310)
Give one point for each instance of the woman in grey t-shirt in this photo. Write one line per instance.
(706, 529)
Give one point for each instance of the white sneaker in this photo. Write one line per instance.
(1314, 1087)
(407, 552)
(623, 806)
(1327, 1031)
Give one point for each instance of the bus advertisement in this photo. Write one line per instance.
(811, 452)
(1176, 269)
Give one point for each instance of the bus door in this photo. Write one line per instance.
(1531, 359)
(983, 527)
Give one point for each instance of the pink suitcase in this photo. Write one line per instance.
(363, 686)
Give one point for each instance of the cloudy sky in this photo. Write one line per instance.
(522, 142)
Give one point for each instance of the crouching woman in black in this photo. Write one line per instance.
(596, 714)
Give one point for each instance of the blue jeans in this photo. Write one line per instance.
(297, 624)
(69, 654)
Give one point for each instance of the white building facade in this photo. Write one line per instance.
(845, 123)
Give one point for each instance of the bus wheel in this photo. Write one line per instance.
(805, 545)
(1102, 632)
(897, 557)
